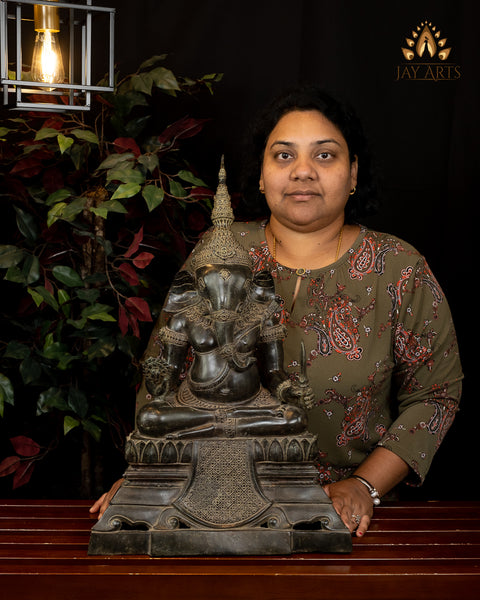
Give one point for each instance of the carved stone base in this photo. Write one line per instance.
(224, 501)
(145, 450)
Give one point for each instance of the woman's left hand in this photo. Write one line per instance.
(353, 503)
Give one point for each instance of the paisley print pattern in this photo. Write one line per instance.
(363, 260)
(335, 321)
(376, 328)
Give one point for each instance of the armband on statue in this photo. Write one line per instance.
(273, 333)
(175, 338)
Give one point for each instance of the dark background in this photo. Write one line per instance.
(424, 134)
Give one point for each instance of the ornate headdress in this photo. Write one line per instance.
(221, 247)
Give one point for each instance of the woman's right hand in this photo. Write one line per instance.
(102, 503)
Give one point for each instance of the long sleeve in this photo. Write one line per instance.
(427, 373)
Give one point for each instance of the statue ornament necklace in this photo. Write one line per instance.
(300, 272)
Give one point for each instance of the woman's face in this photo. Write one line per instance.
(306, 173)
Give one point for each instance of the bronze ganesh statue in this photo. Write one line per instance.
(229, 319)
(221, 447)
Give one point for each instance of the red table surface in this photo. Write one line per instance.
(412, 550)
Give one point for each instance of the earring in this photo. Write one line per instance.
(353, 191)
(262, 191)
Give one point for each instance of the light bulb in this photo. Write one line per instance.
(47, 63)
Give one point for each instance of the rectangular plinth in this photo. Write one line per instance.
(267, 508)
(228, 542)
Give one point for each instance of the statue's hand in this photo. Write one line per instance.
(158, 375)
(304, 394)
(301, 389)
(296, 392)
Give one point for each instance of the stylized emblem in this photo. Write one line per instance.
(427, 43)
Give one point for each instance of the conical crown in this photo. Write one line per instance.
(221, 247)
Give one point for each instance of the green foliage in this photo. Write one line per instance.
(95, 213)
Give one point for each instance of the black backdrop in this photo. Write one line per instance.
(424, 133)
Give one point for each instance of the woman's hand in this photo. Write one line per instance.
(351, 498)
(353, 503)
(102, 503)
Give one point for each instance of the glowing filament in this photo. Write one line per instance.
(47, 64)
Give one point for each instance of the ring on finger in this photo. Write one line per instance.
(356, 519)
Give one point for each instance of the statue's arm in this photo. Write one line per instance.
(273, 374)
(162, 373)
(270, 360)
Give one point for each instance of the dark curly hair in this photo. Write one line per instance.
(308, 97)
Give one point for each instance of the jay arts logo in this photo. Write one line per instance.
(426, 56)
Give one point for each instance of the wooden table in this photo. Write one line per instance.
(412, 550)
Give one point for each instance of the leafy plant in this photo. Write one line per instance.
(98, 213)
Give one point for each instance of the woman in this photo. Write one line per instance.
(382, 355)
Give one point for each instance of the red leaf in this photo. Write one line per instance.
(122, 320)
(48, 285)
(54, 123)
(27, 167)
(201, 192)
(9, 465)
(127, 145)
(25, 446)
(23, 474)
(27, 143)
(135, 244)
(134, 325)
(139, 308)
(183, 128)
(43, 98)
(143, 259)
(129, 273)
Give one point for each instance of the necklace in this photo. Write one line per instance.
(301, 271)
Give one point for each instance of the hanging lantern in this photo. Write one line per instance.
(61, 73)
